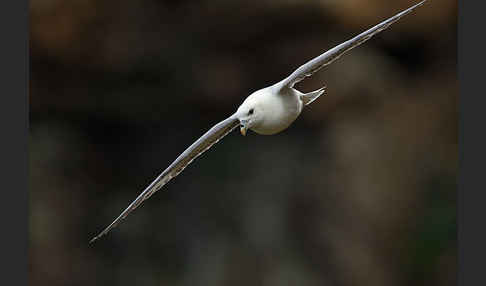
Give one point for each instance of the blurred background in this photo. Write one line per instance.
(360, 190)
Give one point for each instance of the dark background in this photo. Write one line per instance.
(360, 190)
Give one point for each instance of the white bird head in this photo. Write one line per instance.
(250, 112)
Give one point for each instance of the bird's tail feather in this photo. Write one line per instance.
(308, 98)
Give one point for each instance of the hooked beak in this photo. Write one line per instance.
(243, 128)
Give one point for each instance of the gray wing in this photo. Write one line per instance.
(202, 144)
(333, 54)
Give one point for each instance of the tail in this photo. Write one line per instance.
(308, 98)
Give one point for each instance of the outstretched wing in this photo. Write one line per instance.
(333, 54)
(202, 144)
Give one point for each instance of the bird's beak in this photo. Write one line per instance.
(243, 130)
(243, 127)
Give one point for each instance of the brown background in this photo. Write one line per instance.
(360, 190)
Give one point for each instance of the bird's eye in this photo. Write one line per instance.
(250, 112)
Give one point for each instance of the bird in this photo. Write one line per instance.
(266, 111)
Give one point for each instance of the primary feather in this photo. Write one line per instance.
(202, 144)
(333, 54)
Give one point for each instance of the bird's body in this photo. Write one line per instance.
(278, 109)
(267, 111)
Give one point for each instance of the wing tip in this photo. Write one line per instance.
(408, 10)
(418, 4)
(97, 237)
(94, 239)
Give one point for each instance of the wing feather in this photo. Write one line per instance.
(202, 144)
(333, 54)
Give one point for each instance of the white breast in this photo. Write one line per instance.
(280, 111)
